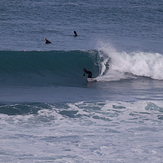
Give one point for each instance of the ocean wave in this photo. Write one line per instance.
(66, 67)
(46, 67)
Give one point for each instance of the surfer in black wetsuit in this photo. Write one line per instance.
(47, 41)
(87, 72)
(75, 34)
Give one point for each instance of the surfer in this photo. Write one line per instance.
(87, 72)
(75, 34)
(47, 41)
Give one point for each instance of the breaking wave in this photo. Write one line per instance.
(66, 67)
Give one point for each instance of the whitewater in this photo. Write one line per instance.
(145, 64)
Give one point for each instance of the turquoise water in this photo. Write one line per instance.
(49, 113)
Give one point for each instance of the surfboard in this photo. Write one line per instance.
(91, 80)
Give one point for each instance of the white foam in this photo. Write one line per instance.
(104, 131)
(134, 63)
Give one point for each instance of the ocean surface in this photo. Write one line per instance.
(49, 113)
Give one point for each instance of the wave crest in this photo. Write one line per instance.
(130, 64)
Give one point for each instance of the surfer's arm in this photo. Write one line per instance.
(83, 75)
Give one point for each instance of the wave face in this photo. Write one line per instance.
(66, 67)
(45, 67)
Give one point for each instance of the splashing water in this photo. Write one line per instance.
(124, 65)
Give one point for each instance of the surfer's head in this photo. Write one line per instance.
(84, 69)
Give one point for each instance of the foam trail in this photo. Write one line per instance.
(126, 65)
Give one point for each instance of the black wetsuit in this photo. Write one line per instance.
(75, 34)
(89, 73)
(47, 41)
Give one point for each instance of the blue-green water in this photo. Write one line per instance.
(49, 113)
